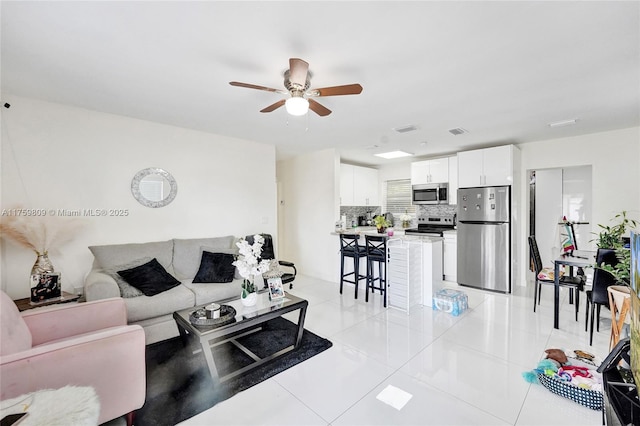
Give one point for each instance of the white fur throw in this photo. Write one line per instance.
(70, 405)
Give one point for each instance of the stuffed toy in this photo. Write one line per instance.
(545, 366)
(557, 355)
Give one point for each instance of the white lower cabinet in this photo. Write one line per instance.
(404, 274)
(450, 250)
(414, 271)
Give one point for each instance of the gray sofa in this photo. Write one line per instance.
(181, 258)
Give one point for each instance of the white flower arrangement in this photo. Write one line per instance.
(406, 219)
(248, 264)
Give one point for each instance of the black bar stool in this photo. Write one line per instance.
(376, 248)
(349, 247)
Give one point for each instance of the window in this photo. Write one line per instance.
(397, 197)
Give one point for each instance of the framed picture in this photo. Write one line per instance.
(45, 287)
(276, 291)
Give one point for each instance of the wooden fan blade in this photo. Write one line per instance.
(318, 109)
(347, 89)
(253, 86)
(273, 107)
(298, 70)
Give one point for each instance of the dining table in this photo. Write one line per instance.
(575, 258)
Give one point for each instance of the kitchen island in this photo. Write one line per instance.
(414, 267)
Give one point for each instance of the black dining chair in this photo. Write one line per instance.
(575, 284)
(268, 253)
(598, 296)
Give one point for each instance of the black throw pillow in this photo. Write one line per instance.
(150, 278)
(215, 268)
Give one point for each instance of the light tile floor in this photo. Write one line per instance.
(463, 370)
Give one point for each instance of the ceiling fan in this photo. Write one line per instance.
(297, 81)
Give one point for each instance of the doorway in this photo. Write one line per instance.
(556, 194)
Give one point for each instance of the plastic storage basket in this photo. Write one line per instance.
(587, 397)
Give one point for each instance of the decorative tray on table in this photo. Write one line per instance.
(199, 317)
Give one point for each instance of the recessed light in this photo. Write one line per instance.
(564, 123)
(393, 154)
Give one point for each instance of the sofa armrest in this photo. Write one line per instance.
(99, 285)
(61, 321)
(111, 361)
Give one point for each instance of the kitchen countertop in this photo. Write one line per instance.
(371, 230)
(397, 235)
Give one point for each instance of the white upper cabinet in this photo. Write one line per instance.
(365, 187)
(358, 186)
(419, 172)
(346, 185)
(486, 167)
(430, 171)
(439, 170)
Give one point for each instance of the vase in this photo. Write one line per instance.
(43, 264)
(250, 299)
(382, 230)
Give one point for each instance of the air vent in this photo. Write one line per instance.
(405, 129)
(457, 131)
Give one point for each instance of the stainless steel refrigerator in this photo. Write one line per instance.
(484, 238)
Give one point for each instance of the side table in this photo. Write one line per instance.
(24, 304)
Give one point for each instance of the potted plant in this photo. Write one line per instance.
(610, 237)
(381, 223)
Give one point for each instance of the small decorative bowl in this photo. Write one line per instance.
(199, 317)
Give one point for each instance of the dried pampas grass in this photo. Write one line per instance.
(41, 234)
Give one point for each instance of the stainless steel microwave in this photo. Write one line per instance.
(437, 193)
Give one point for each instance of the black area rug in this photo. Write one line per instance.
(178, 382)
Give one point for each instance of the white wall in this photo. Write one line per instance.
(61, 157)
(548, 213)
(616, 176)
(394, 171)
(309, 201)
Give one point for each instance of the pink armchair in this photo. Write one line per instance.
(84, 344)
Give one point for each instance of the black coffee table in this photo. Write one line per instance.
(248, 320)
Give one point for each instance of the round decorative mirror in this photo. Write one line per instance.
(154, 187)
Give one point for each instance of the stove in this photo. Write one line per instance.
(433, 225)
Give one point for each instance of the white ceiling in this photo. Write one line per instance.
(501, 70)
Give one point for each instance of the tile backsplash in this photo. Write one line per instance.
(352, 212)
(436, 210)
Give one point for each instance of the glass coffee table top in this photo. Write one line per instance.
(262, 307)
(248, 320)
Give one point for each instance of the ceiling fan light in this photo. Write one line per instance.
(297, 106)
